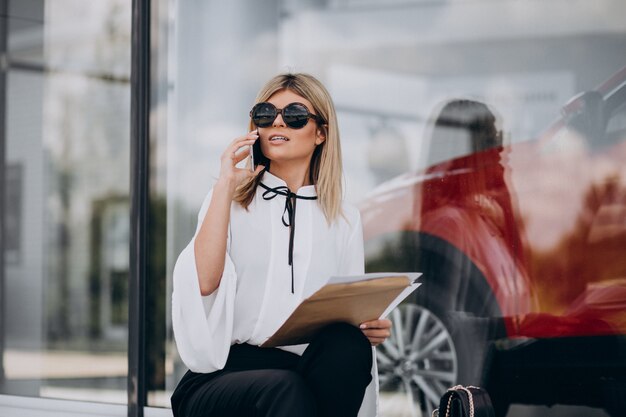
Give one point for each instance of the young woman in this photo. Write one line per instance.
(267, 238)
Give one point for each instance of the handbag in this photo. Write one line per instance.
(465, 401)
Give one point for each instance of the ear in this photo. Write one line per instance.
(320, 136)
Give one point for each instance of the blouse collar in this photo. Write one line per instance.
(273, 181)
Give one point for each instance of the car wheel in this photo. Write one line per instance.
(419, 359)
(459, 310)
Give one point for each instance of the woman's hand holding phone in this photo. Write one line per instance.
(233, 155)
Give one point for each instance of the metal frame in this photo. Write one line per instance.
(139, 194)
(4, 66)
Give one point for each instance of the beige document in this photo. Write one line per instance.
(353, 299)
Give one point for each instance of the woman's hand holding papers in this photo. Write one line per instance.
(376, 330)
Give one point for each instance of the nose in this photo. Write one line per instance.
(278, 121)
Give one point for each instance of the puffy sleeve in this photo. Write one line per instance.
(203, 326)
(353, 263)
(352, 260)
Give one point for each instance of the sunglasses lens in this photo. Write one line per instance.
(263, 114)
(295, 116)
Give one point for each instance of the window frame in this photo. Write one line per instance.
(141, 83)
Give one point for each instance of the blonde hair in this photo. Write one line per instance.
(325, 169)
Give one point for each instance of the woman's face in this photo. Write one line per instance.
(283, 145)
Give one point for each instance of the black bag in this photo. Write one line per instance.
(465, 401)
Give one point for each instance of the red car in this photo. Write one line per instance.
(523, 250)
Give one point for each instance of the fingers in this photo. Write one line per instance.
(240, 155)
(252, 135)
(377, 331)
(238, 143)
(234, 153)
(376, 324)
(376, 342)
(376, 337)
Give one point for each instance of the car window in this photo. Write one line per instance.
(446, 147)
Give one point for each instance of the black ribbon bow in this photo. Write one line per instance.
(290, 210)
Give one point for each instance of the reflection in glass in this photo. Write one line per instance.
(546, 197)
(67, 204)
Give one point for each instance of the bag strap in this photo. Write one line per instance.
(469, 406)
(462, 398)
(481, 402)
(470, 399)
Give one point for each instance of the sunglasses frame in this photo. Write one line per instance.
(278, 111)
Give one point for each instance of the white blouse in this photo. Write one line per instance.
(255, 293)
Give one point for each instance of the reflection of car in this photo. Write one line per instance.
(523, 250)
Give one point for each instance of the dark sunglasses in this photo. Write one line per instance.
(295, 115)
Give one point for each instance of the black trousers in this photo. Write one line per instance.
(329, 379)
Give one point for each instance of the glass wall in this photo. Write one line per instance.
(66, 142)
(466, 164)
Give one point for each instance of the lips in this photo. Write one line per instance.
(278, 138)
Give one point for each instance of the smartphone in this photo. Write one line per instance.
(256, 157)
(252, 167)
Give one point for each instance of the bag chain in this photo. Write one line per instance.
(435, 412)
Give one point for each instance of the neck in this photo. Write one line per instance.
(295, 177)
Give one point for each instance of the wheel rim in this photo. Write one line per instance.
(419, 359)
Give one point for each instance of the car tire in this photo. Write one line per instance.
(458, 316)
(419, 359)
